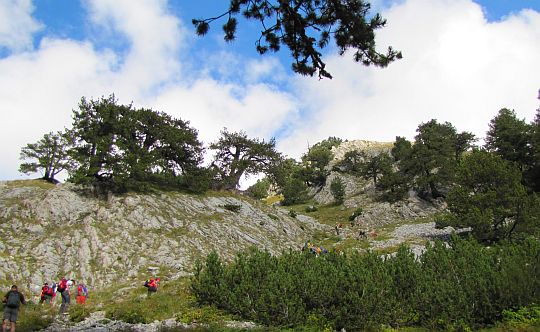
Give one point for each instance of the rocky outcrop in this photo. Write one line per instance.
(48, 233)
(370, 148)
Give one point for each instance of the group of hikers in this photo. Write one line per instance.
(64, 287)
(13, 299)
(316, 250)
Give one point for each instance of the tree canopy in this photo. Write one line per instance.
(118, 146)
(488, 197)
(306, 27)
(237, 155)
(48, 155)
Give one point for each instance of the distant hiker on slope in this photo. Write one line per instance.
(152, 285)
(82, 293)
(12, 300)
(63, 289)
(46, 294)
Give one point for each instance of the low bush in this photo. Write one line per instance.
(311, 208)
(356, 213)
(232, 207)
(34, 317)
(455, 286)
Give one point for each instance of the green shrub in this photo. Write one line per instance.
(356, 213)
(232, 207)
(311, 208)
(337, 188)
(259, 190)
(522, 317)
(35, 317)
(457, 286)
(78, 312)
(132, 315)
(293, 213)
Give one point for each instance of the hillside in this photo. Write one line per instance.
(50, 231)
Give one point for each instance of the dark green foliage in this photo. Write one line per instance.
(259, 190)
(337, 188)
(522, 317)
(293, 213)
(356, 213)
(237, 155)
(311, 208)
(49, 155)
(433, 158)
(509, 137)
(488, 197)
(232, 207)
(120, 148)
(463, 285)
(316, 159)
(295, 192)
(533, 174)
(306, 27)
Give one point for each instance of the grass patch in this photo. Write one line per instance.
(33, 317)
(40, 183)
(326, 214)
(273, 199)
(173, 300)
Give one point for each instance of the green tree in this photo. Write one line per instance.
(121, 148)
(509, 137)
(533, 174)
(396, 177)
(373, 167)
(306, 27)
(488, 197)
(259, 190)
(316, 160)
(237, 155)
(295, 191)
(337, 188)
(49, 155)
(351, 162)
(434, 157)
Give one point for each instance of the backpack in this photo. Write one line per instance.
(14, 300)
(62, 286)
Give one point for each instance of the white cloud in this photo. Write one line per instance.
(17, 25)
(457, 67)
(39, 88)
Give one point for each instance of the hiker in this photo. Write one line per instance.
(152, 285)
(12, 300)
(82, 293)
(53, 291)
(63, 289)
(46, 294)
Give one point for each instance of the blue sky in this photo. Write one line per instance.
(463, 61)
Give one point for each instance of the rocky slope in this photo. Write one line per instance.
(51, 231)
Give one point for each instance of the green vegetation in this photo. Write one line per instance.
(337, 188)
(306, 28)
(462, 286)
(237, 155)
(232, 207)
(39, 183)
(33, 317)
(49, 155)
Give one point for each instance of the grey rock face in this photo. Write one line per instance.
(51, 233)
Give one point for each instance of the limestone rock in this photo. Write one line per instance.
(51, 233)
